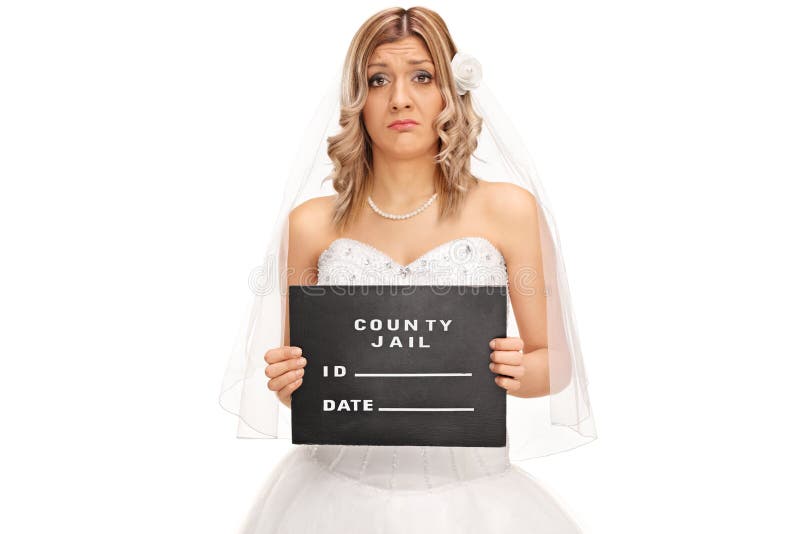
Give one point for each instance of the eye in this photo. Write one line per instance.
(373, 82)
(376, 79)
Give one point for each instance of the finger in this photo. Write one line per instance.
(507, 343)
(515, 371)
(285, 393)
(274, 370)
(277, 384)
(282, 353)
(511, 384)
(510, 357)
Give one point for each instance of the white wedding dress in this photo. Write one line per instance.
(355, 489)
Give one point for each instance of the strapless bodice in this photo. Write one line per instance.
(464, 261)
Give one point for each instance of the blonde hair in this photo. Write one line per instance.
(458, 125)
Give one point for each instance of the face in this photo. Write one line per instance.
(402, 85)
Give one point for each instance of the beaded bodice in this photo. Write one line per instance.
(463, 261)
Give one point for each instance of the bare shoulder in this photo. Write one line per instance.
(310, 228)
(312, 216)
(509, 201)
(513, 212)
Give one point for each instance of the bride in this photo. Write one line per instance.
(406, 208)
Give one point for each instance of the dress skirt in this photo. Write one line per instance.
(361, 489)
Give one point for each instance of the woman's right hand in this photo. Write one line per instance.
(285, 371)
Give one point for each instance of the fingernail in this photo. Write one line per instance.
(297, 351)
(299, 373)
(491, 343)
(303, 361)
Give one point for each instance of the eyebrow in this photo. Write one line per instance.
(410, 62)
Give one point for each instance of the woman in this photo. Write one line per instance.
(407, 207)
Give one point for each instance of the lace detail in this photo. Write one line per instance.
(453, 464)
(480, 460)
(425, 467)
(463, 261)
(394, 467)
(363, 463)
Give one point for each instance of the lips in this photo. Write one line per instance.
(403, 122)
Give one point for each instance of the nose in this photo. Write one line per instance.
(400, 98)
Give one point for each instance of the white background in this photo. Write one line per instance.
(142, 152)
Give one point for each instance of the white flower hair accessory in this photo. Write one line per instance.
(467, 72)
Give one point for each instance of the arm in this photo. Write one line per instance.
(301, 260)
(305, 224)
(516, 212)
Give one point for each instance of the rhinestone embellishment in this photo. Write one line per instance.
(464, 261)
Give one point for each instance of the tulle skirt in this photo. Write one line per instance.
(355, 489)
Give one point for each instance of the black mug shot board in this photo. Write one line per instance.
(398, 365)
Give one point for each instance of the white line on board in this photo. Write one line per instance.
(411, 374)
(426, 409)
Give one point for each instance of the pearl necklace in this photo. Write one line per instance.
(382, 213)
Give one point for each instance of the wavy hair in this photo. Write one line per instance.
(458, 125)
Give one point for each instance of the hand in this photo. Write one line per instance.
(285, 370)
(507, 360)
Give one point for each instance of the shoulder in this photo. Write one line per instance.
(312, 210)
(508, 203)
(310, 224)
(312, 216)
(512, 215)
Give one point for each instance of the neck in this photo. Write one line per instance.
(400, 185)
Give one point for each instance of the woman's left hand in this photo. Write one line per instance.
(507, 361)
